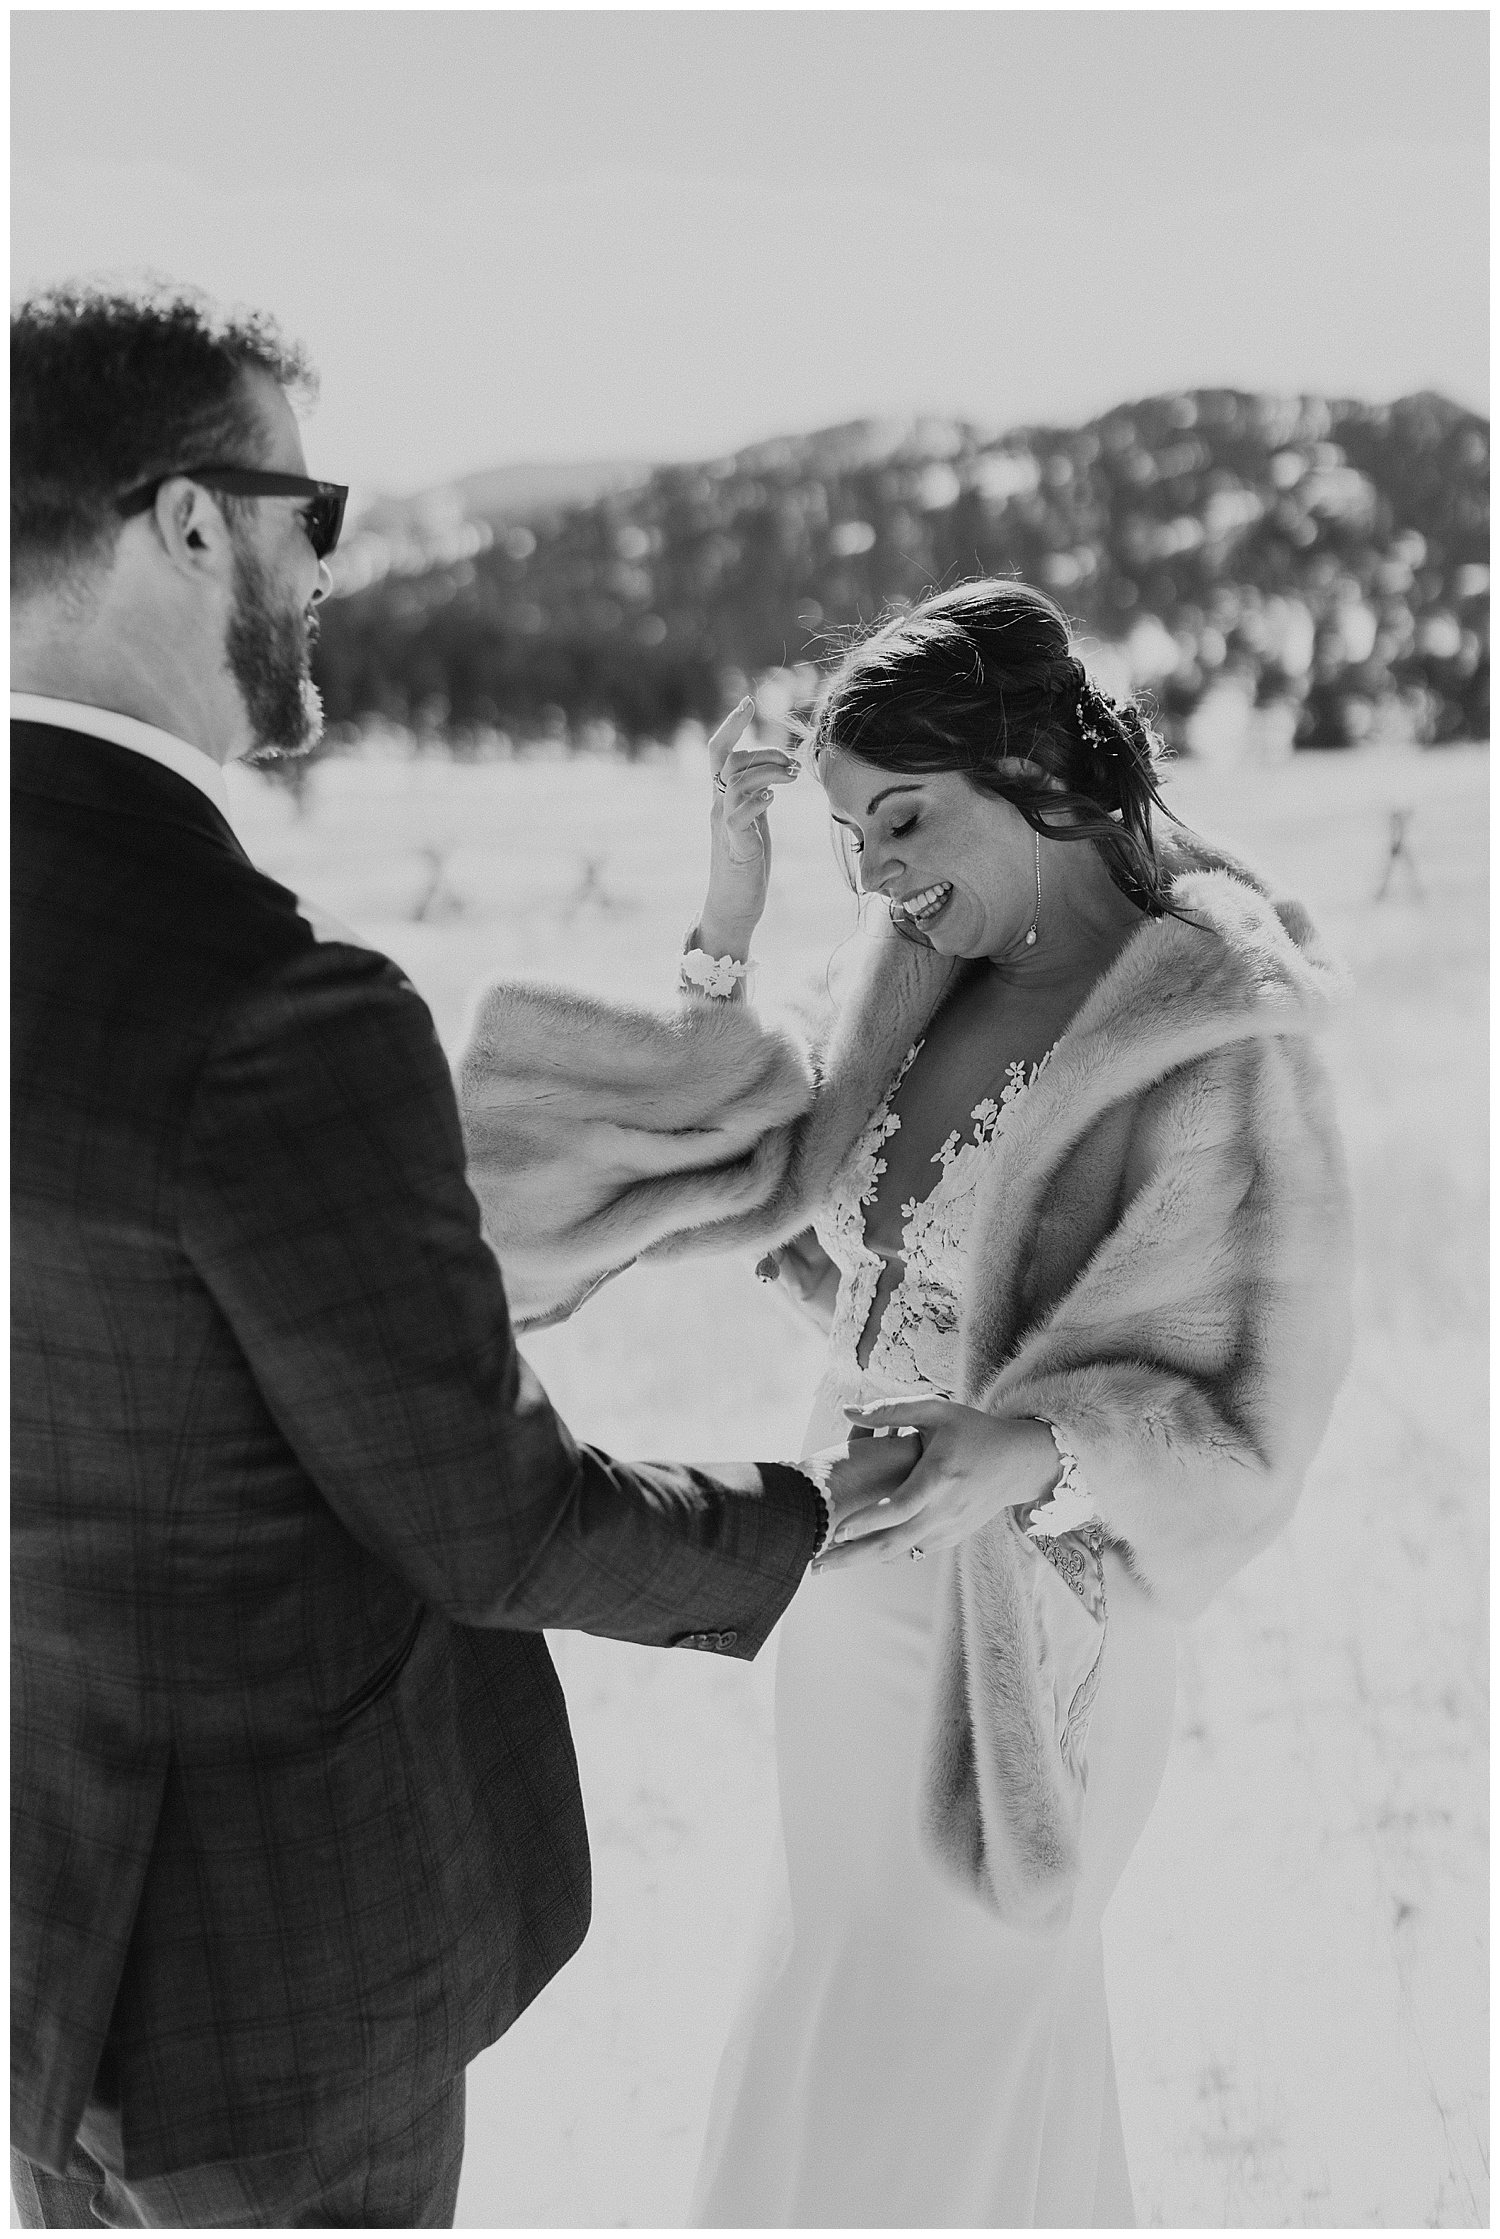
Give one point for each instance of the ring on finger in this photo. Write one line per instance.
(917, 1554)
(721, 783)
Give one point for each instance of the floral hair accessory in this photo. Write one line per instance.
(1098, 717)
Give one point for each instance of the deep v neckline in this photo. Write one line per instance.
(914, 1337)
(991, 1099)
(927, 1301)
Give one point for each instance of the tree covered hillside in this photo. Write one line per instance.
(1325, 559)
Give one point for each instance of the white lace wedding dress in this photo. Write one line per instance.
(900, 2057)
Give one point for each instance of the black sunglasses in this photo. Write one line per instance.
(325, 513)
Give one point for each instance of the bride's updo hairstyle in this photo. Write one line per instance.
(982, 679)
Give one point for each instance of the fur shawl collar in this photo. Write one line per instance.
(598, 1133)
(1159, 1264)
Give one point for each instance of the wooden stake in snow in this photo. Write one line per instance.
(1399, 851)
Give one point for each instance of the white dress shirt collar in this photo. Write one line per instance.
(172, 753)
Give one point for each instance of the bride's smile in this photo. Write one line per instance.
(955, 863)
(962, 867)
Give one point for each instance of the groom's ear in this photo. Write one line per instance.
(192, 533)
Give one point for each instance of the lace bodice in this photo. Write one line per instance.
(917, 1340)
(917, 1344)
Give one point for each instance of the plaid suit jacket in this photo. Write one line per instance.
(295, 1809)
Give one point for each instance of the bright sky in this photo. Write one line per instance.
(532, 235)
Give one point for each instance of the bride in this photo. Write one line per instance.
(1064, 1188)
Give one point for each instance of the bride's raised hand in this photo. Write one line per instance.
(972, 1467)
(739, 872)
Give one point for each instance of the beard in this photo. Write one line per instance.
(269, 652)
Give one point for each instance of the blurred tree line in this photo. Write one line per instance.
(1325, 563)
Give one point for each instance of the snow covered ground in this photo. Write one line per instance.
(1298, 1951)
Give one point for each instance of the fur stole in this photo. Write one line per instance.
(1160, 1263)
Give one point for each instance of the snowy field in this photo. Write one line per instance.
(1297, 1955)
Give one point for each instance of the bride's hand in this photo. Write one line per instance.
(972, 1467)
(739, 871)
(856, 1478)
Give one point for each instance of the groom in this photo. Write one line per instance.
(296, 1820)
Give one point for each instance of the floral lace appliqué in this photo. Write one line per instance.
(853, 1192)
(918, 1334)
(1069, 1505)
(1077, 1557)
(1075, 1733)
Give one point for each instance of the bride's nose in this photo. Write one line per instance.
(879, 871)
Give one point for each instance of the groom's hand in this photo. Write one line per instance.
(856, 1480)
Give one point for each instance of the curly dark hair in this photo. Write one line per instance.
(982, 678)
(110, 387)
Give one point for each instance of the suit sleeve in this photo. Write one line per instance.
(325, 1206)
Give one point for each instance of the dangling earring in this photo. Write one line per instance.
(1036, 913)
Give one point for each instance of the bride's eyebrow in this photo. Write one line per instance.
(874, 805)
